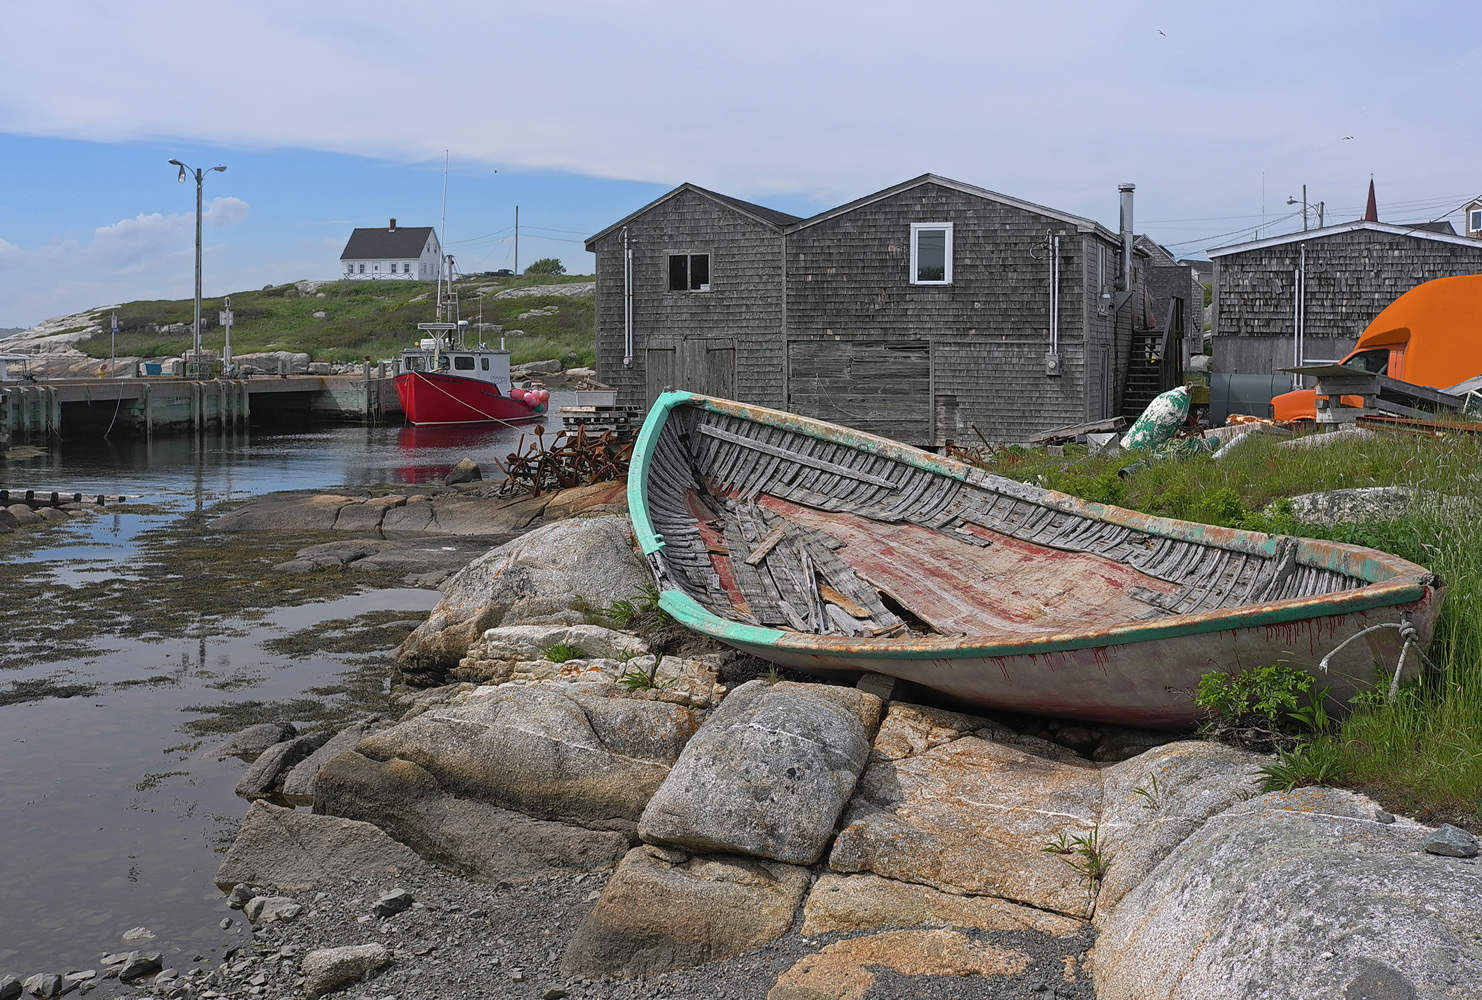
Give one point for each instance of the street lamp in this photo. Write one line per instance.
(184, 171)
(1293, 201)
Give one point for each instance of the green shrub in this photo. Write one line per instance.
(560, 652)
(1261, 708)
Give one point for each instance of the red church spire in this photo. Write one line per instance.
(1371, 212)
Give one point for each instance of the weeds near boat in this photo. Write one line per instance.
(1083, 853)
(643, 680)
(1262, 708)
(1422, 754)
(1152, 795)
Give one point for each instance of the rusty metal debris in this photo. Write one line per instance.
(574, 457)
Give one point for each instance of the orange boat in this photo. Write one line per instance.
(1430, 336)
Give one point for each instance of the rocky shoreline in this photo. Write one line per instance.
(569, 805)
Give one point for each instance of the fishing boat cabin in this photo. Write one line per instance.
(482, 363)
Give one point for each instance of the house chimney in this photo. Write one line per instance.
(393, 225)
(1126, 190)
(1371, 211)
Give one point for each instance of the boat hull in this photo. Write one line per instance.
(1129, 672)
(429, 398)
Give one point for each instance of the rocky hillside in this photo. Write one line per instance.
(539, 317)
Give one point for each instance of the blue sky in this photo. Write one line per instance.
(330, 117)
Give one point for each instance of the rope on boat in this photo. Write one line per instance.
(1412, 641)
(475, 409)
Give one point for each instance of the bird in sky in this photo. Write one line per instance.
(1347, 137)
(1162, 32)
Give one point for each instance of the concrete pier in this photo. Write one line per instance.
(36, 412)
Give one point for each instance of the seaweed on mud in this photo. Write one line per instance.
(372, 632)
(188, 581)
(43, 688)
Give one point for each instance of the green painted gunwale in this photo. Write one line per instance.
(1393, 581)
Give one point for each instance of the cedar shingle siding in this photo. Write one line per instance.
(1351, 276)
(819, 316)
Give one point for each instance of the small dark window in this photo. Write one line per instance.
(689, 272)
(484, 363)
(463, 363)
(1373, 362)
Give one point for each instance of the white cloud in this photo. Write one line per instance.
(144, 256)
(1056, 102)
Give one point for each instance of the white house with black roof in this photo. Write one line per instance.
(406, 253)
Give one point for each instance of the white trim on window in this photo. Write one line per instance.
(1474, 220)
(933, 227)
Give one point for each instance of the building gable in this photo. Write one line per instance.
(403, 242)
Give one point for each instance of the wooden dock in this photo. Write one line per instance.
(36, 412)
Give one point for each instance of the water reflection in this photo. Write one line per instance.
(198, 471)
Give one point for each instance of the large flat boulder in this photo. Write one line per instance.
(578, 758)
(970, 814)
(1302, 896)
(465, 835)
(846, 970)
(768, 773)
(869, 902)
(664, 909)
(555, 574)
(286, 512)
(1153, 801)
(294, 850)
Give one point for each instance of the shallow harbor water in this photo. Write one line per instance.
(119, 671)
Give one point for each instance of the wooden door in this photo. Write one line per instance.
(692, 364)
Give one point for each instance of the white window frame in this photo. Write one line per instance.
(1474, 219)
(917, 227)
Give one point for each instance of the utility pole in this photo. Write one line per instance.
(113, 349)
(226, 321)
(199, 176)
(517, 241)
(1304, 208)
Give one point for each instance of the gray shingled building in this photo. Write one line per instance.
(1349, 273)
(930, 312)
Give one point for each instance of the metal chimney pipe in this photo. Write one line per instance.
(1126, 190)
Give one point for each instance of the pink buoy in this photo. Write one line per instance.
(543, 394)
(517, 394)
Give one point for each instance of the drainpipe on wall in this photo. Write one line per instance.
(1125, 292)
(627, 301)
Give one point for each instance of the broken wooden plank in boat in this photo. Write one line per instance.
(832, 596)
(765, 545)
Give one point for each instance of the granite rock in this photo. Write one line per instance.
(768, 773)
(295, 851)
(1300, 895)
(330, 969)
(463, 834)
(665, 910)
(577, 758)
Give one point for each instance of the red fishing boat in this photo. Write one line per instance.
(441, 384)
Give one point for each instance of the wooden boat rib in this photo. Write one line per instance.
(834, 551)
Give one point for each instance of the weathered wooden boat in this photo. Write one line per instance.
(838, 552)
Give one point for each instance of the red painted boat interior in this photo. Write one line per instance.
(959, 588)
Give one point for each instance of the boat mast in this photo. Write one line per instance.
(437, 337)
